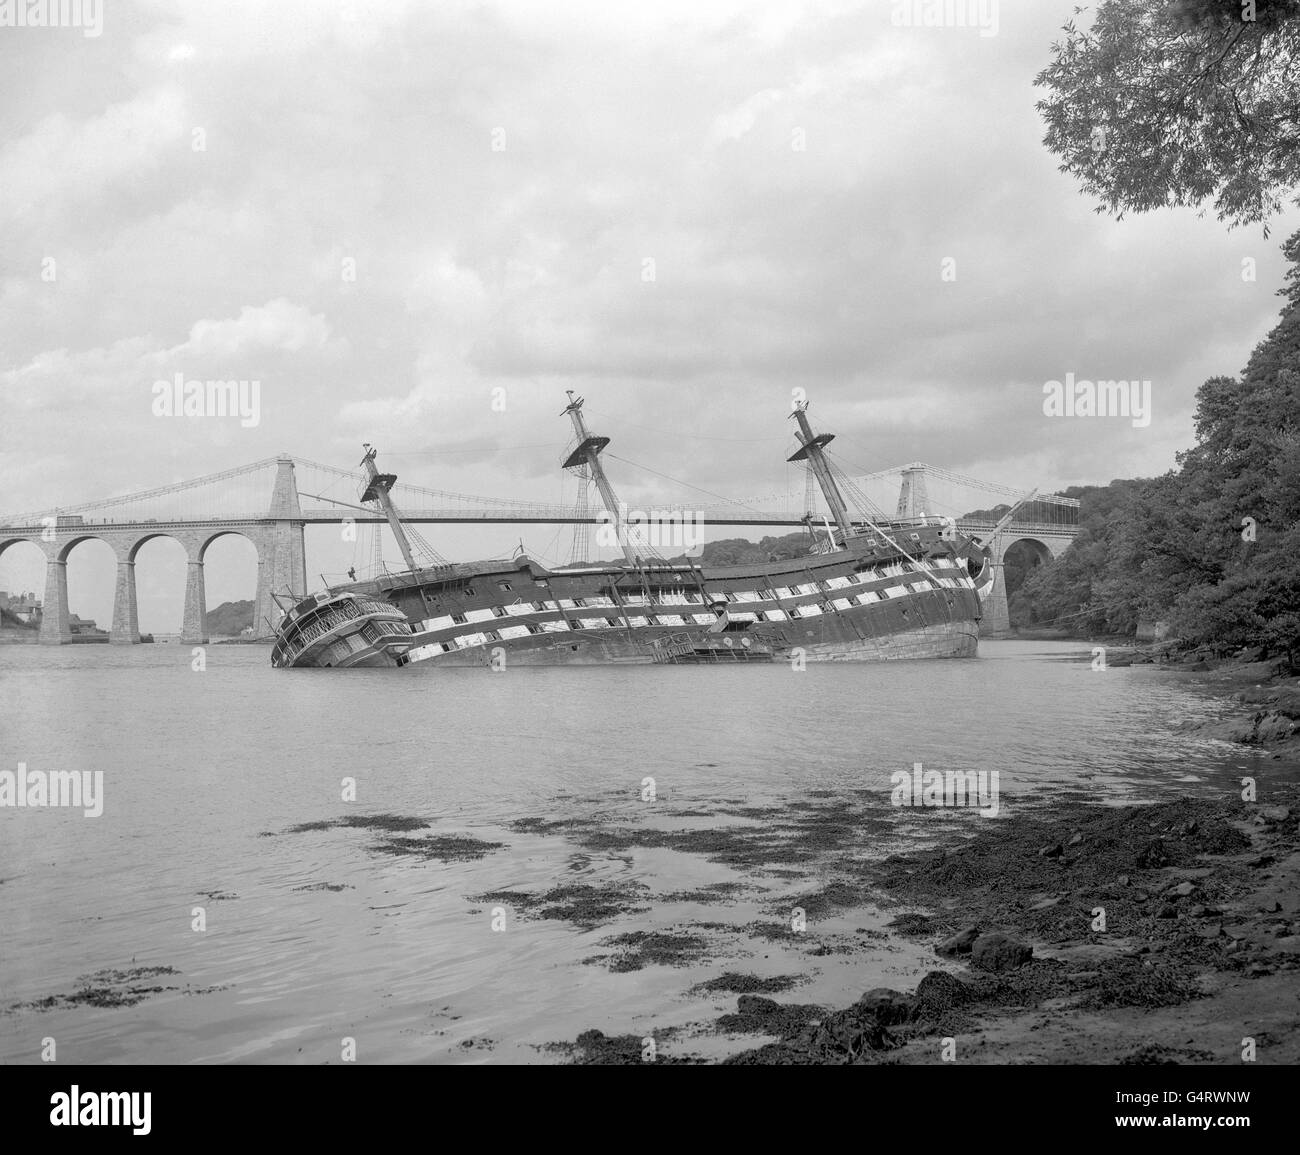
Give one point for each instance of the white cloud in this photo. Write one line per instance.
(62, 164)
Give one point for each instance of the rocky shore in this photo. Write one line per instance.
(1148, 934)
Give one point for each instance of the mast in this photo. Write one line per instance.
(376, 489)
(812, 453)
(587, 452)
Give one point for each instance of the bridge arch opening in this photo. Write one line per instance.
(92, 580)
(161, 566)
(230, 578)
(22, 586)
(1021, 558)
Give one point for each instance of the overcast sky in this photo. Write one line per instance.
(206, 177)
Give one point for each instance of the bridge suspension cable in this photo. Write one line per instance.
(142, 495)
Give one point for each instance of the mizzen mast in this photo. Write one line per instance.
(376, 488)
(587, 452)
(811, 452)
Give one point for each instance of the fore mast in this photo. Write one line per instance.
(587, 452)
(376, 489)
(813, 454)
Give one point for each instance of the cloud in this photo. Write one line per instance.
(62, 164)
(278, 324)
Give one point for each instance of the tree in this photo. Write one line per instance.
(1179, 103)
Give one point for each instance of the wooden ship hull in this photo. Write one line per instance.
(861, 604)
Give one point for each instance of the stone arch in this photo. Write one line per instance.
(1019, 558)
(6, 542)
(64, 590)
(1039, 550)
(153, 584)
(65, 548)
(253, 538)
(134, 547)
(224, 532)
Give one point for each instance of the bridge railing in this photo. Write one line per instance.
(1025, 527)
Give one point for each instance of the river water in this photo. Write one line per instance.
(316, 936)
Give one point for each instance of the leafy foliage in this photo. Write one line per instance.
(1178, 103)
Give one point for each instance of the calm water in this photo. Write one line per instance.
(200, 766)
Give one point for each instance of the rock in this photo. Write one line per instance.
(1182, 890)
(1075, 839)
(1083, 976)
(1051, 851)
(887, 1006)
(1214, 930)
(1123, 880)
(1045, 904)
(960, 943)
(1276, 813)
(999, 952)
(757, 1005)
(938, 992)
(1169, 910)
(844, 1037)
(1258, 970)
(1239, 932)
(1262, 860)
(1273, 907)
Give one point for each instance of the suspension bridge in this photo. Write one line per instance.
(271, 503)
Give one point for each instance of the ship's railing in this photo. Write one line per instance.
(337, 616)
(326, 623)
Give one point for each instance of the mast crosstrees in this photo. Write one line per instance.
(376, 489)
(587, 453)
(812, 453)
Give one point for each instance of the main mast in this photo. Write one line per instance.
(812, 453)
(587, 452)
(376, 489)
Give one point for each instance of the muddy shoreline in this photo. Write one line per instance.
(1166, 933)
(1152, 934)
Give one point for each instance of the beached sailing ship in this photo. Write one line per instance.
(871, 589)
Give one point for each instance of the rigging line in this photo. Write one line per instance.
(861, 473)
(666, 433)
(678, 481)
(435, 451)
